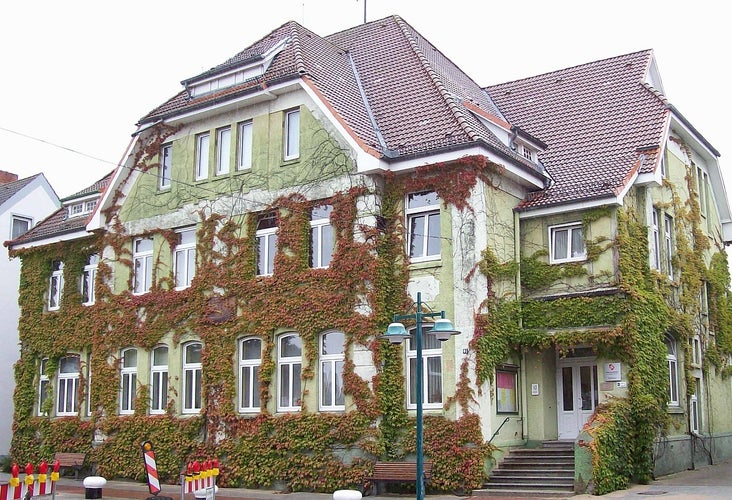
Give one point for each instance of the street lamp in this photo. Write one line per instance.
(396, 333)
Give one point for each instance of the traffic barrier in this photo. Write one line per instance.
(200, 476)
(44, 485)
(151, 468)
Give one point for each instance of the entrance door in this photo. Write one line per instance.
(576, 394)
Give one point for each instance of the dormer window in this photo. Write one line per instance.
(527, 152)
(82, 208)
(199, 86)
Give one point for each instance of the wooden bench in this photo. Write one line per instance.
(71, 460)
(398, 472)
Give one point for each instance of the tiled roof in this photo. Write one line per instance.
(599, 120)
(59, 222)
(398, 94)
(8, 190)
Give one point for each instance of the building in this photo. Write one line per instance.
(23, 202)
(272, 217)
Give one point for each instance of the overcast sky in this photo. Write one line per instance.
(79, 74)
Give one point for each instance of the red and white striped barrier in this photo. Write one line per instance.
(151, 468)
(199, 476)
(43, 485)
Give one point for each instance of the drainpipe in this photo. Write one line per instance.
(517, 291)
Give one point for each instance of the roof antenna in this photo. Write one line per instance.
(364, 11)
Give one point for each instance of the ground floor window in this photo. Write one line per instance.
(506, 390)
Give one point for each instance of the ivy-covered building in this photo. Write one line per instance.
(270, 219)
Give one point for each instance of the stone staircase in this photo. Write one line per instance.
(546, 471)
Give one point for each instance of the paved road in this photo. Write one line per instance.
(706, 483)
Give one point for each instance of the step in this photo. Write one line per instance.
(564, 473)
(538, 461)
(521, 493)
(529, 487)
(543, 480)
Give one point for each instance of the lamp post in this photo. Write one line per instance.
(396, 333)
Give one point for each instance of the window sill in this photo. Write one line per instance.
(286, 162)
(426, 264)
(677, 410)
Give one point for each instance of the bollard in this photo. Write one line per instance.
(93, 487)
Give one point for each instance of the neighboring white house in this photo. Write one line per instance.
(23, 203)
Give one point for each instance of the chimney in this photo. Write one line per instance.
(6, 177)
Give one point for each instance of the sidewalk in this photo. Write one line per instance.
(712, 482)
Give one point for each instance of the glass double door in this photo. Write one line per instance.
(576, 394)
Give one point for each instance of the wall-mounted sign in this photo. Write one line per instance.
(612, 372)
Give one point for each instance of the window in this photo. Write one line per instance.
(192, 378)
(423, 221)
(223, 150)
(332, 358)
(250, 359)
(506, 393)
(164, 170)
(184, 258)
(701, 185)
(142, 254)
(673, 371)
(128, 375)
(321, 236)
(159, 380)
(68, 386)
(266, 239)
(244, 148)
(696, 355)
(56, 284)
(88, 386)
(82, 208)
(90, 205)
(43, 383)
(19, 225)
(289, 367)
(88, 278)
(431, 370)
(695, 416)
(668, 226)
(655, 242)
(292, 134)
(567, 243)
(202, 143)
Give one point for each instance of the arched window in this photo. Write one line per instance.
(192, 377)
(128, 376)
(332, 358)
(159, 379)
(289, 368)
(250, 359)
(673, 371)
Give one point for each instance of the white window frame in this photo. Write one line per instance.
(223, 151)
(292, 134)
(43, 384)
(165, 168)
(428, 353)
(289, 387)
(422, 215)
(88, 385)
(249, 401)
(695, 407)
(245, 143)
(67, 403)
(56, 285)
(672, 362)
(159, 380)
(570, 256)
(192, 388)
(185, 252)
(203, 144)
(18, 219)
(332, 396)
(320, 229)
(88, 280)
(142, 262)
(266, 244)
(655, 241)
(128, 381)
(668, 228)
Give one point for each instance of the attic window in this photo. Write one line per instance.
(81, 208)
(527, 152)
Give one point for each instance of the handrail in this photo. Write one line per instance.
(499, 428)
